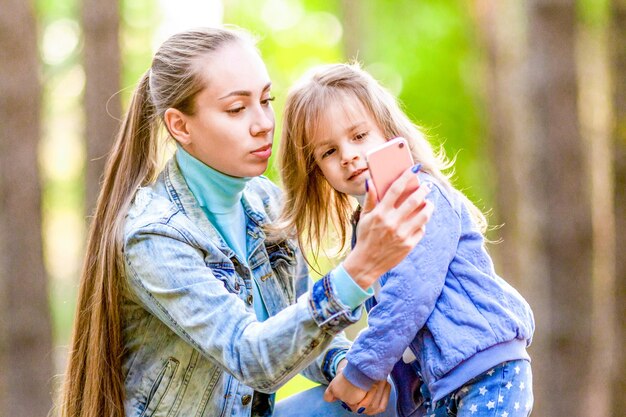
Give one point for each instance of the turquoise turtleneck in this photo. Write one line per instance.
(219, 196)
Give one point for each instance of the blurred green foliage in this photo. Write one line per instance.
(425, 52)
(594, 13)
(433, 48)
(138, 22)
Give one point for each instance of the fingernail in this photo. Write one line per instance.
(360, 410)
(345, 406)
(367, 186)
(416, 168)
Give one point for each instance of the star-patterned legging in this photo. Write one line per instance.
(504, 391)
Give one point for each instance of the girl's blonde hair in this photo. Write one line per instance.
(94, 384)
(312, 207)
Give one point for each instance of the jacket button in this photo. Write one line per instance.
(249, 299)
(245, 400)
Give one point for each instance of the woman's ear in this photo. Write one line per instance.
(176, 123)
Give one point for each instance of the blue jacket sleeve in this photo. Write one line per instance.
(407, 297)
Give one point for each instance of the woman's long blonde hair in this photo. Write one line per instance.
(312, 207)
(93, 384)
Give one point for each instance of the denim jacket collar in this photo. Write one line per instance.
(182, 196)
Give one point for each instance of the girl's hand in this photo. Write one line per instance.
(342, 389)
(370, 402)
(376, 400)
(386, 233)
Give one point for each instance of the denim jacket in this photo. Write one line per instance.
(193, 345)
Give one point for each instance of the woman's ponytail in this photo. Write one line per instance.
(94, 385)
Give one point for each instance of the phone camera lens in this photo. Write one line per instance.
(401, 145)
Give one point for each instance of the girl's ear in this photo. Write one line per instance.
(176, 123)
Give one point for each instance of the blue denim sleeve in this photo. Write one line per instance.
(323, 369)
(407, 297)
(327, 310)
(182, 292)
(332, 359)
(350, 294)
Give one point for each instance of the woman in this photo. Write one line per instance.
(187, 305)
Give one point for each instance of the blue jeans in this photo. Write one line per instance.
(504, 391)
(311, 403)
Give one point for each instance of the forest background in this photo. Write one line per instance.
(529, 97)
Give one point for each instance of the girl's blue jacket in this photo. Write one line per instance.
(447, 304)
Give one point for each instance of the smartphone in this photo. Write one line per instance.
(387, 162)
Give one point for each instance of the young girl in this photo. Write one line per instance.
(187, 307)
(442, 316)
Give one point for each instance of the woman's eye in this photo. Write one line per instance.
(235, 110)
(267, 101)
(361, 136)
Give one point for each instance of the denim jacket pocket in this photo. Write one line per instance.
(282, 257)
(160, 387)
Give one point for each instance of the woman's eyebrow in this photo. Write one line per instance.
(245, 93)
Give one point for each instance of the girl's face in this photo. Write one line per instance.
(233, 127)
(347, 132)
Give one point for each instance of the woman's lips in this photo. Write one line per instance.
(263, 153)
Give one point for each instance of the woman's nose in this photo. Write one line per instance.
(262, 123)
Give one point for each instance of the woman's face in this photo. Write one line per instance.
(233, 126)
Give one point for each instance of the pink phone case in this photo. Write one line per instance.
(387, 162)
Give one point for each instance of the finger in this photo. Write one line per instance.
(370, 404)
(379, 404)
(384, 400)
(375, 405)
(371, 197)
(418, 220)
(367, 400)
(329, 396)
(414, 201)
(407, 182)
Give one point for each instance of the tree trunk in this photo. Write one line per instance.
(102, 86)
(561, 183)
(26, 360)
(519, 205)
(595, 118)
(353, 28)
(504, 36)
(619, 87)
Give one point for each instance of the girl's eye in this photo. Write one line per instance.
(267, 101)
(327, 153)
(361, 136)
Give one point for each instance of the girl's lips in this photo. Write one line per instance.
(356, 173)
(264, 152)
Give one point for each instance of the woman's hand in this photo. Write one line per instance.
(374, 401)
(389, 230)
